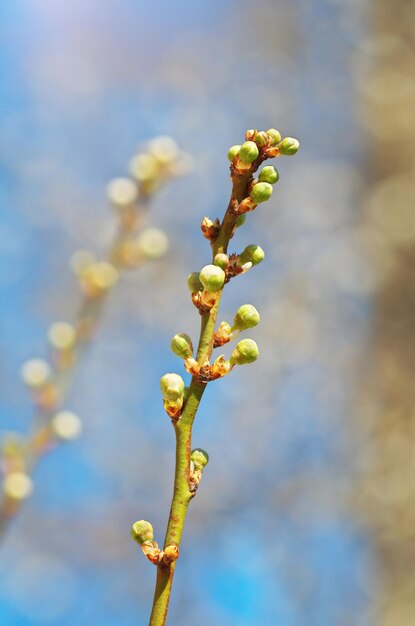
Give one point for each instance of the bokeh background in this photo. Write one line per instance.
(306, 513)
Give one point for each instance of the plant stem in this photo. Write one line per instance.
(183, 427)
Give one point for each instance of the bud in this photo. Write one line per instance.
(122, 192)
(164, 149)
(212, 278)
(289, 146)
(246, 351)
(199, 458)
(35, 373)
(17, 486)
(66, 425)
(268, 174)
(142, 531)
(144, 167)
(248, 152)
(172, 387)
(241, 220)
(153, 243)
(181, 345)
(261, 138)
(62, 336)
(261, 192)
(252, 254)
(274, 135)
(233, 152)
(98, 277)
(193, 282)
(221, 260)
(246, 317)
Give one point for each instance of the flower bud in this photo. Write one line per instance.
(246, 351)
(241, 220)
(274, 135)
(122, 192)
(268, 174)
(172, 387)
(261, 138)
(221, 260)
(248, 152)
(62, 336)
(142, 531)
(233, 152)
(17, 486)
(181, 344)
(289, 146)
(246, 317)
(252, 254)
(153, 243)
(193, 282)
(164, 149)
(144, 167)
(35, 373)
(66, 425)
(212, 278)
(199, 458)
(261, 192)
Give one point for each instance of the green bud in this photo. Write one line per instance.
(233, 152)
(248, 152)
(241, 220)
(289, 146)
(193, 282)
(221, 260)
(274, 135)
(246, 317)
(261, 192)
(212, 277)
(268, 174)
(261, 138)
(142, 531)
(252, 254)
(246, 351)
(199, 458)
(181, 344)
(172, 387)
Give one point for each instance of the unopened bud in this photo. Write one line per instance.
(142, 531)
(241, 220)
(144, 167)
(261, 192)
(248, 152)
(62, 336)
(35, 373)
(221, 260)
(233, 152)
(66, 425)
(164, 149)
(181, 345)
(17, 486)
(212, 278)
(261, 138)
(193, 282)
(199, 458)
(172, 387)
(274, 135)
(268, 174)
(153, 243)
(289, 146)
(122, 192)
(246, 317)
(246, 351)
(252, 254)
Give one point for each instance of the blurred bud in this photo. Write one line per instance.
(122, 192)
(62, 335)
(212, 278)
(98, 277)
(182, 346)
(142, 531)
(144, 167)
(268, 174)
(246, 317)
(246, 351)
(193, 282)
(153, 243)
(252, 254)
(164, 149)
(274, 135)
(261, 138)
(17, 486)
(233, 152)
(221, 260)
(261, 192)
(172, 387)
(289, 146)
(80, 260)
(199, 458)
(241, 220)
(248, 152)
(66, 425)
(35, 373)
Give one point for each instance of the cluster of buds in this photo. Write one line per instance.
(142, 533)
(172, 390)
(205, 286)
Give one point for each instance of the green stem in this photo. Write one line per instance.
(183, 428)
